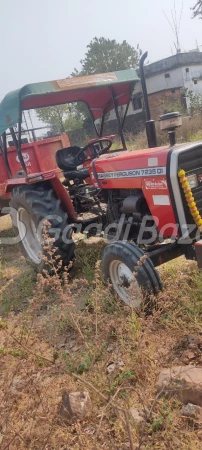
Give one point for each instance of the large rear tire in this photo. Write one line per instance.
(30, 207)
(133, 277)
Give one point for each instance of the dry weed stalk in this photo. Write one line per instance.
(55, 298)
(55, 288)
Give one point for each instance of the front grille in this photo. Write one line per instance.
(190, 160)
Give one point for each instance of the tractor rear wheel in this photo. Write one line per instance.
(30, 207)
(133, 277)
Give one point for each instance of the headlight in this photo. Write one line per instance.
(192, 179)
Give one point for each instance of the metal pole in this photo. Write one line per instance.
(26, 122)
(17, 144)
(13, 135)
(5, 154)
(118, 120)
(128, 104)
(125, 114)
(30, 130)
(150, 124)
(172, 137)
(102, 124)
(33, 132)
(103, 116)
(144, 86)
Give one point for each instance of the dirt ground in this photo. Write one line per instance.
(50, 343)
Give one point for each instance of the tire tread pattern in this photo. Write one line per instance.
(41, 202)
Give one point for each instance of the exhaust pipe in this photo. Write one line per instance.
(150, 124)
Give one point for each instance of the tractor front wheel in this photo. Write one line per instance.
(30, 207)
(131, 274)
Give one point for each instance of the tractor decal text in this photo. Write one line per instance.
(26, 158)
(153, 184)
(135, 173)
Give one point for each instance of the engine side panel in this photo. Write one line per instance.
(145, 170)
(158, 199)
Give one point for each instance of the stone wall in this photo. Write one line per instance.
(166, 101)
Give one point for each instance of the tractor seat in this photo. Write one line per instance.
(67, 161)
(66, 158)
(80, 174)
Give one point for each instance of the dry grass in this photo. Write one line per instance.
(58, 342)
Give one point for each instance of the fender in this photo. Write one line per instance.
(56, 184)
(64, 196)
(28, 179)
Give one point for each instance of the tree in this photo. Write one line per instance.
(105, 55)
(197, 9)
(195, 102)
(61, 118)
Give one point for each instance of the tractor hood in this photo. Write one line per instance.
(131, 165)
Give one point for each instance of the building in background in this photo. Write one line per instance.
(171, 79)
(169, 83)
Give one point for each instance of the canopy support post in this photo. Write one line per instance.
(128, 104)
(5, 154)
(102, 124)
(125, 114)
(118, 119)
(103, 117)
(18, 146)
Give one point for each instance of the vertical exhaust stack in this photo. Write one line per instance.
(150, 124)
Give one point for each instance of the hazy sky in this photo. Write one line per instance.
(45, 39)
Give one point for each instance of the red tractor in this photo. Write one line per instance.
(147, 203)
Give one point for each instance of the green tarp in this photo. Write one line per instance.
(94, 90)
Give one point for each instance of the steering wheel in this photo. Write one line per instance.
(80, 155)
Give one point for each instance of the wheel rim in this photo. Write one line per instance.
(125, 283)
(29, 237)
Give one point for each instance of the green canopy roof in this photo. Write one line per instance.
(94, 90)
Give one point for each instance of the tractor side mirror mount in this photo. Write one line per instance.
(170, 122)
